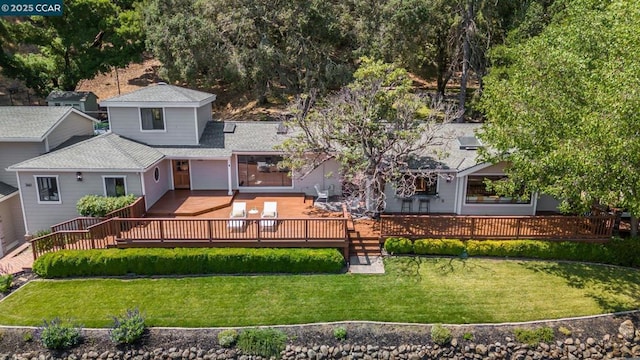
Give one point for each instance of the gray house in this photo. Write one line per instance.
(27, 132)
(85, 101)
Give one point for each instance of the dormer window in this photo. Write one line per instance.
(152, 119)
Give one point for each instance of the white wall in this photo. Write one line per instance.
(209, 175)
(13, 231)
(443, 203)
(154, 190)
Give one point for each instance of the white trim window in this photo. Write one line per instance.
(47, 189)
(152, 119)
(114, 185)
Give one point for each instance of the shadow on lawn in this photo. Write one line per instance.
(614, 289)
(412, 266)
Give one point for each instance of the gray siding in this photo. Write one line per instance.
(497, 169)
(180, 126)
(443, 203)
(209, 175)
(14, 152)
(43, 216)
(204, 115)
(72, 125)
(154, 190)
(91, 104)
(12, 232)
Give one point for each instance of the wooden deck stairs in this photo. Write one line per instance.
(360, 245)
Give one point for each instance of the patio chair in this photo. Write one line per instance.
(237, 216)
(322, 194)
(269, 215)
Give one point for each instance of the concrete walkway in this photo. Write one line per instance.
(19, 259)
(366, 265)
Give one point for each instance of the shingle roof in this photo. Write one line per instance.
(68, 95)
(105, 152)
(6, 189)
(161, 93)
(444, 150)
(29, 122)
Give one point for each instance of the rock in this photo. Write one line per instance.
(481, 349)
(627, 330)
(454, 342)
(591, 341)
(568, 341)
(311, 354)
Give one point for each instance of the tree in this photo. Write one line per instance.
(563, 107)
(58, 51)
(372, 128)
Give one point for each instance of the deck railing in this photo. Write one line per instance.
(79, 223)
(135, 210)
(592, 228)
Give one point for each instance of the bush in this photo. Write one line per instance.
(99, 206)
(27, 336)
(440, 335)
(57, 335)
(5, 283)
(41, 233)
(226, 338)
(467, 336)
(398, 245)
(438, 247)
(564, 331)
(183, 261)
(127, 328)
(340, 333)
(534, 336)
(262, 342)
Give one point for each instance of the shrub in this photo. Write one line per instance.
(564, 331)
(438, 247)
(340, 333)
(467, 336)
(27, 336)
(5, 283)
(57, 335)
(262, 342)
(182, 261)
(99, 206)
(41, 233)
(398, 245)
(226, 338)
(127, 328)
(440, 334)
(534, 336)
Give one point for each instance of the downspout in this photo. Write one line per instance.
(144, 190)
(229, 177)
(27, 234)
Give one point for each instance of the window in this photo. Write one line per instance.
(152, 119)
(426, 186)
(263, 171)
(156, 174)
(48, 189)
(115, 186)
(477, 192)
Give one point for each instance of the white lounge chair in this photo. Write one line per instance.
(237, 216)
(322, 194)
(269, 214)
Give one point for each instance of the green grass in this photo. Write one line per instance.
(425, 290)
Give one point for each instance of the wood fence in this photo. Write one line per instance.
(592, 228)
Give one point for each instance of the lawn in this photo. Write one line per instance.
(425, 290)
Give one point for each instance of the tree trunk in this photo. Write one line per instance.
(467, 21)
(634, 225)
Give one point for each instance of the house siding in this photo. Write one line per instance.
(13, 231)
(547, 203)
(204, 116)
(492, 209)
(72, 125)
(443, 203)
(14, 152)
(209, 175)
(180, 126)
(154, 191)
(43, 216)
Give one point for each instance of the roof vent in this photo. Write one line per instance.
(161, 83)
(229, 128)
(282, 129)
(469, 143)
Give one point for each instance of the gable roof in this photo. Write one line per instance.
(444, 151)
(161, 95)
(6, 190)
(108, 152)
(32, 123)
(58, 95)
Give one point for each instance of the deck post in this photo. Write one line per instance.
(230, 192)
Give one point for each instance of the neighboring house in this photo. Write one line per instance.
(85, 101)
(162, 138)
(27, 132)
(457, 181)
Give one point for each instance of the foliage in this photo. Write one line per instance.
(562, 111)
(181, 261)
(27, 336)
(41, 233)
(397, 245)
(89, 38)
(564, 331)
(438, 247)
(58, 335)
(370, 127)
(440, 334)
(99, 206)
(6, 281)
(467, 336)
(534, 336)
(127, 328)
(227, 338)
(340, 333)
(262, 342)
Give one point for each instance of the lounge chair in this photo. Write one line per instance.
(237, 216)
(322, 194)
(269, 215)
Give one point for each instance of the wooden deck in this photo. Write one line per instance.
(189, 203)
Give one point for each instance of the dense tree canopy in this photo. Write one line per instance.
(58, 51)
(563, 107)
